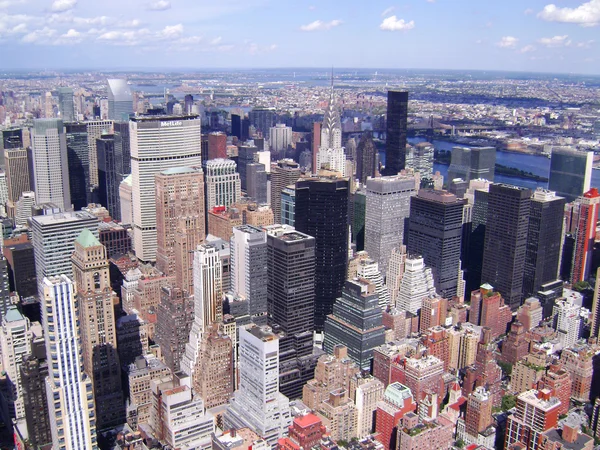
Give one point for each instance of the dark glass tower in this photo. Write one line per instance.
(365, 158)
(542, 259)
(395, 145)
(108, 177)
(291, 301)
(474, 251)
(435, 232)
(236, 126)
(78, 157)
(322, 212)
(506, 241)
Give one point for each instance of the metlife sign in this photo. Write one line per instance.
(171, 123)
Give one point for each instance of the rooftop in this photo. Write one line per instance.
(86, 239)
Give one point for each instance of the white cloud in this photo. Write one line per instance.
(71, 34)
(38, 35)
(7, 3)
(388, 11)
(159, 5)
(528, 11)
(319, 25)
(586, 44)
(587, 14)
(135, 23)
(556, 41)
(392, 23)
(508, 42)
(216, 41)
(171, 31)
(527, 49)
(63, 5)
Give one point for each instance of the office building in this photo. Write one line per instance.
(247, 154)
(356, 322)
(386, 214)
(368, 269)
(595, 313)
(236, 125)
(142, 373)
(257, 403)
(109, 178)
(120, 100)
(321, 211)
(34, 370)
(544, 241)
(178, 139)
(12, 138)
(66, 106)
(223, 186)
(95, 130)
(262, 119)
(280, 137)
(288, 205)
(217, 145)
(285, 173)
(16, 166)
(435, 232)
(69, 389)
(24, 209)
(78, 156)
(179, 209)
(585, 235)
(256, 182)
(5, 298)
(366, 158)
(417, 283)
(433, 314)
(472, 163)
(570, 172)
(397, 123)
(21, 265)
(568, 321)
(249, 269)
(331, 154)
(53, 241)
(419, 158)
(505, 242)
(122, 149)
(50, 164)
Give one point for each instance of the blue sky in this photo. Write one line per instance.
(527, 35)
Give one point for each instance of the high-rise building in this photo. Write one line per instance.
(157, 143)
(285, 173)
(249, 273)
(595, 326)
(331, 154)
(585, 235)
(544, 241)
(5, 298)
(97, 324)
(217, 145)
(433, 313)
(570, 172)
(109, 178)
(568, 321)
(50, 165)
(262, 119)
(366, 158)
(488, 309)
(559, 380)
(256, 182)
(397, 124)
(472, 163)
(505, 243)
(280, 136)
(417, 283)
(78, 156)
(95, 130)
(257, 403)
(122, 149)
(120, 100)
(247, 154)
(579, 362)
(223, 186)
(34, 370)
(435, 232)
(16, 166)
(386, 215)
(397, 401)
(288, 205)
(53, 241)
(236, 125)
(478, 418)
(21, 264)
(69, 389)
(321, 211)
(368, 269)
(66, 106)
(12, 138)
(419, 158)
(356, 322)
(179, 207)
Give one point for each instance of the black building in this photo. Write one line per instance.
(358, 219)
(11, 138)
(397, 123)
(115, 238)
(435, 232)
(505, 242)
(473, 243)
(246, 154)
(262, 119)
(366, 162)
(542, 258)
(21, 269)
(321, 211)
(236, 126)
(78, 159)
(109, 177)
(290, 305)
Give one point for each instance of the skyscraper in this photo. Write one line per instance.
(217, 145)
(472, 163)
(49, 147)
(544, 241)
(570, 172)
(505, 242)
(179, 206)
(585, 235)
(109, 179)
(420, 159)
(95, 129)
(262, 119)
(397, 123)
(417, 283)
(120, 100)
(66, 106)
(236, 125)
(280, 136)
(78, 157)
(331, 154)
(435, 232)
(321, 211)
(365, 158)
(223, 186)
(256, 182)
(16, 166)
(157, 143)
(286, 172)
(247, 154)
(98, 332)
(69, 389)
(387, 210)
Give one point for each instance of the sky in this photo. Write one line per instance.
(515, 35)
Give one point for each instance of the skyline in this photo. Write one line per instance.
(531, 36)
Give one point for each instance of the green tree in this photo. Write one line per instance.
(506, 367)
(508, 402)
(459, 443)
(581, 286)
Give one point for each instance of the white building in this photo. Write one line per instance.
(258, 404)
(331, 153)
(223, 185)
(130, 284)
(157, 143)
(395, 272)
(50, 165)
(24, 208)
(280, 137)
(126, 200)
(369, 269)
(568, 321)
(69, 390)
(3, 192)
(417, 284)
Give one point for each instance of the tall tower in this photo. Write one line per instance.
(584, 238)
(157, 143)
(120, 100)
(223, 185)
(50, 167)
(217, 145)
(435, 232)
(570, 172)
(179, 204)
(397, 123)
(68, 388)
(386, 216)
(331, 153)
(17, 176)
(98, 332)
(472, 163)
(95, 129)
(321, 211)
(286, 172)
(366, 157)
(109, 178)
(66, 106)
(78, 156)
(506, 241)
